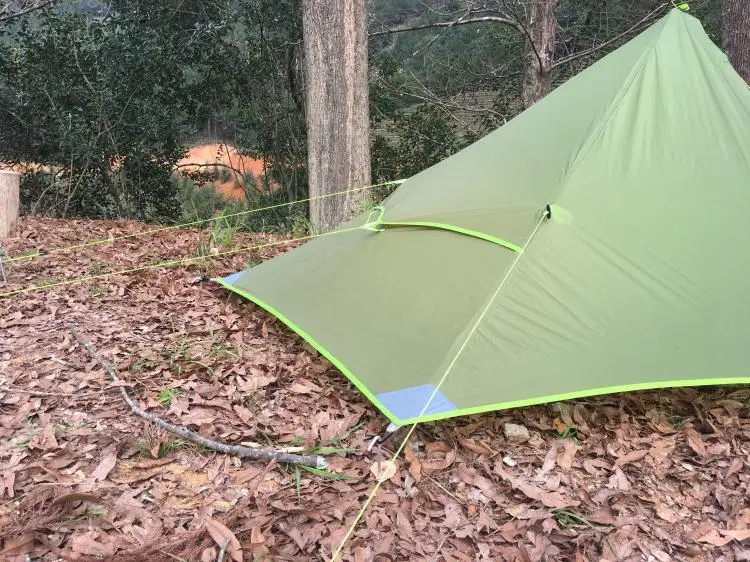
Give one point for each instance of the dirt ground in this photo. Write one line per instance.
(661, 475)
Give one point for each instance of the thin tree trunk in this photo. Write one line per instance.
(735, 35)
(336, 107)
(539, 53)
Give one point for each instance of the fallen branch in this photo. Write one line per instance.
(236, 450)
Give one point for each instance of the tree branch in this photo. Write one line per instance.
(483, 19)
(646, 19)
(211, 165)
(25, 11)
(236, 450)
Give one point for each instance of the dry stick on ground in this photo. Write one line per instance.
(223, 551)
(236, 450)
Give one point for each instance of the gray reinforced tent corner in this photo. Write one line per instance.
(598, 242)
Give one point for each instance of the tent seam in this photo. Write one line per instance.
(459, 230)
(611, 111)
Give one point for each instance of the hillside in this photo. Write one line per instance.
(642, 476)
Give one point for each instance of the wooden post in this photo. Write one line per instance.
(10, 183)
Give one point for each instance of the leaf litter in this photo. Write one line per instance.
(657, 475)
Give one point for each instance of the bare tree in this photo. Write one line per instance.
(735, 34)
(536, 22)
(539, 52)
(336, 106)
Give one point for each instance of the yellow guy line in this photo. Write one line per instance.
(437, 388)
(192, 223)
(169, 263)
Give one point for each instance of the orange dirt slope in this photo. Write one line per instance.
(235, 166)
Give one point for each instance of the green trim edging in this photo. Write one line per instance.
(460, 230)
(576, 394)
(478, 409)
(320, 348)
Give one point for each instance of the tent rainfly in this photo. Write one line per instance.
(596, 243)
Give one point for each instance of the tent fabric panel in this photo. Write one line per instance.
(387, 305)
(335, 361)
(644, 284)
(625, 324)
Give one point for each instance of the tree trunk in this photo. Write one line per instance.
(336, 107)
(539, 53)
(9, 202)
(735, 35)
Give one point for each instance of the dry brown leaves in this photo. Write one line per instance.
(643, 476)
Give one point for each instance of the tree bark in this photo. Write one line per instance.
(9, 202)
(539, 53)
(735, 35)
(336, 107)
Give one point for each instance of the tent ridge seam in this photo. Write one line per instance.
(611, 111)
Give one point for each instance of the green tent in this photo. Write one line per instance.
(599, 242)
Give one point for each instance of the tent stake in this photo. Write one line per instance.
(389, 431)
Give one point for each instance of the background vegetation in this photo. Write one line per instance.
(105, 97)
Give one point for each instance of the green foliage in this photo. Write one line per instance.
(106, 100)
(166, 395)
(269, 104)
(102, 103)
(423, 137)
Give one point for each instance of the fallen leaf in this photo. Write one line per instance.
(220, 534)
(256, 537)
(565, 458)
(715, 538)
(87, 543)
(19, 546)
(243, 413)
(437, 447)
(665, 513)
(695, 441)
(555, 500)
(734, 467)
(477, 447)
(549, 462)
(383, 470)
(632, 456)
(415, 469)
(618, 481)
(619, 545)
(304, 387)
(108, 462)
(45, 440)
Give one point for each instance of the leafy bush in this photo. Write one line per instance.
(105, 102)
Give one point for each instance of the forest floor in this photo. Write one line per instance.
(641, 476)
